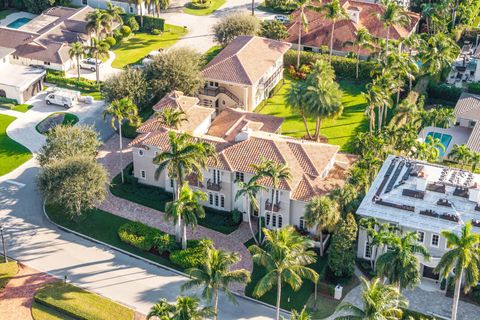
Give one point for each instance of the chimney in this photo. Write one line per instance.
(422, 182)
(244, 134)
(354, 14)
(474, 194)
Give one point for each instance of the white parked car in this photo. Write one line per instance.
(61, 97)
(149, 58)
(282, 18)
(89, 64)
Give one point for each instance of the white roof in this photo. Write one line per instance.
(19, 76)
(462, 207)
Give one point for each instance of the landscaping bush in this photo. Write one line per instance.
(474, 88)
(71, 83)
(443, 92)
(150, 23)
(4, 100)
(130, 22)
(138, 235)
(156, 32)
(344, 67)
(165, 242)
(193, 256)
(236, 216)
(111, 41)
(117, 35)
(199, 5)
(126, 31)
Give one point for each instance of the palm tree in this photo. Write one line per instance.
(161, 310)
(185, 308)
(249, 190)
(295, 99)
(139, 4)
(393, 14)
(363, 40)
(171, 118)
(99, 51)
(400, 262)
(322, 213)
(323, 94)
(438, 53)
(275, 172)
(429, 150)
(285, 257)
(185, 156)
(464, 257)
(121, 110)
(303, 315)
(344, 196)
(406, 112)
(214, 275)
(474, 160)
(379, 302)
(302, 24)
(334, 11)
(460, 153)
(186, 208)
(98, 21)
(77, 50)
(115, 12)
(376, 97)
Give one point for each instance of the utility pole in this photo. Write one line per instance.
(3, 244)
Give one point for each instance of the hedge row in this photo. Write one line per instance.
(344, 67)
(73, 83)
(4, 100)
(443, 92)
(149, 23)
(474, 88)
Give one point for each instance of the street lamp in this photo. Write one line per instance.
(3, 244)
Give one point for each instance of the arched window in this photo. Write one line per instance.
(3, 94)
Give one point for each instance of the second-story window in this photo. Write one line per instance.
(216, 176)
(268, 219)
(239, 176)
(421, 236)
(435, 240)
(276, 196)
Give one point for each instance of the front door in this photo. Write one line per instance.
(428, 273)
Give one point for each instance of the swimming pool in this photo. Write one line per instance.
(445, 140)
(18, 23)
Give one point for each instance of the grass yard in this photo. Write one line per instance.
(338, 131)
(12, 154)
(6, 12)
(215, 4)
(134, 49)
(73, 301)
(7, 271)
(211, 53)
(16, 107)
(69, 119)
(41, 312)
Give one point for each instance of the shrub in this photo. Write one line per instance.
(117, 35)
(138, 235)
(233, 25)
(150, 23)
(126, 31)
(131, 23)
(273, 29)
(193, 256)
(111, 41)
(236, 216)
(156, 32)
(344, 67)
(71, 83)
(130, 84)
(4, 100)
(443, 92)
(474, 88)
(199, 5)
(164, 242)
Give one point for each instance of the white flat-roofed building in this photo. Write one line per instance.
(421, 197)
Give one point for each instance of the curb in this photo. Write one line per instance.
(150, 262)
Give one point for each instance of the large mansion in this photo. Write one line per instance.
(241, 139)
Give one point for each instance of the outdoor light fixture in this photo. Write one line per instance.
(3, 244)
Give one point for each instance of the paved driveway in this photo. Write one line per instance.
(106, 70)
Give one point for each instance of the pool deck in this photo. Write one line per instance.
(14, 16)
(459, 135)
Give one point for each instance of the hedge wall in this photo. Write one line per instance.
(344, 67)
(71, 83)
(443, 92)
(149, 23)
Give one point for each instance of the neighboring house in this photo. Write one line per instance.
(241, 139)
(424, 198)
(243, 74)
(45, 40)
(361, 15)
(16, 81)
(467, 112)
(127, 5)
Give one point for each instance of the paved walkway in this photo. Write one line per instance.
(109, 156)
(16, 300)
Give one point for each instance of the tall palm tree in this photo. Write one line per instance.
(285, 257)
(295, 99)
(405, 113)
(275, 172)
(379, 302)
(393, 14)
(171, 118)
(334, 12)
(400, 262)
(115, 12)
(438, 53)
(214, 275)
(121, 110)
(461, 154)
(77, 50)
(99, 51)
(185, 156)
(464, 257)
(344, 196)
(186, 208)
(428, 150)
(139, 4)
(474, 160)
(302, 24)
(376, 97)
(98, 21)
(322, 213)
(323, 94)
(249, 190)
(363, 40)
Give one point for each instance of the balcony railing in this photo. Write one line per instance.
(268, 206)
(214, 186)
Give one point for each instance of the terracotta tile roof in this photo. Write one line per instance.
(319, 28)
(245, 60)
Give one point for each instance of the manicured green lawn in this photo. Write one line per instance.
(211, 53)
(41, 312)
(69, 119)
(339, 131)
(19, 107)
(5, 13)
(134, 49)
(204, 12)
(12, 154)
(7, 271)
(74, 301)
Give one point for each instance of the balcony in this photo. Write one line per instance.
(268, 206)
(214, 186)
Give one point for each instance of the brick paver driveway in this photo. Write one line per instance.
(109, 156)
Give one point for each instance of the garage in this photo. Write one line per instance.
(20, 82)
